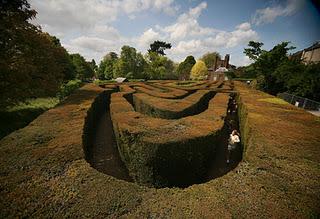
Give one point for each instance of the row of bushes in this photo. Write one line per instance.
(157, 151)
(172, 109)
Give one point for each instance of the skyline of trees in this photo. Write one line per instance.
(275, 72)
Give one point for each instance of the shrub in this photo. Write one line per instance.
(68, 88)
(199, 71)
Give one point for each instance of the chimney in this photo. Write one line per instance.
(226, 61)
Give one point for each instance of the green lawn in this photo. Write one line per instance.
(22, 114)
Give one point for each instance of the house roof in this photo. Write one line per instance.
(120, 80)
(313, 47)
(222, 69)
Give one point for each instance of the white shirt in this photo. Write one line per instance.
(234, 139)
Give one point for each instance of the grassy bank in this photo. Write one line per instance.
(20, 115)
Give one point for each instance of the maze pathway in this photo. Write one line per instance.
(158, 138)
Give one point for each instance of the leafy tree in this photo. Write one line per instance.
(63, 58)
(184, 68)
(32, 63)
(268, 62)
(130, 63)
(299, 79)
(210, 58)
(83, 68)
(199, 71)
(159, 67)
(106, 67)
(254, 50)
(93, 65)
(159, 47)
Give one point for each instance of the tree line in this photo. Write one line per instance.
(276, 72)
(154, 65)
(35, 64)
(32, 62)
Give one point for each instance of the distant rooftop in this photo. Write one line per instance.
(314, 46)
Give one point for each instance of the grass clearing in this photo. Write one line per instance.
(37, 103)
(22, 114)
(274, 100)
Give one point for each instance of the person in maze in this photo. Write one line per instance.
(232, 144)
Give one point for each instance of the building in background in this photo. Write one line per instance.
(308, 55)
(220, 66)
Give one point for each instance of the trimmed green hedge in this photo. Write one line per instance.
(172, 109)
(150, 146)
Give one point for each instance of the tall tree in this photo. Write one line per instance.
(106, 67)
(185, 67)
(32, 63)
(159, 47)
(63, 58)
(83, 68)
(130, 64)
(93, 65)
(210, 58)
(254, 51)
(159, 67)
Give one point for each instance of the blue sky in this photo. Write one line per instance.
(95, 27)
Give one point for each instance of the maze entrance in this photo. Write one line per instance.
(149, 133)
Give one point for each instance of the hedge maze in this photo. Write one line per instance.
(167, 132)
(47, 174)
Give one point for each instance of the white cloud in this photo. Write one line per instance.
(64, 16)
(106, 31)
(133, 6)
(88, 29)
(189, 37)
(241, 60)
(216, 41)
(187, 24)
(93, 43)
(148, 37)
(269, 14)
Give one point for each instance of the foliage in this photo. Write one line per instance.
(210, 58)
(93, 65)
(245, 72)
(266, 64)
(185, 67)
(159, 67)
(106, 67)
(20, 115)
(275, 72)
(199, 71)
(82, 68)
(17, 116)
(63, 58)
(159, 47)
(130, 64)
(32, 63)
(68, 88)
(299, 79)
(255, 51)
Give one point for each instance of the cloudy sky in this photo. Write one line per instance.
(96, 27)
